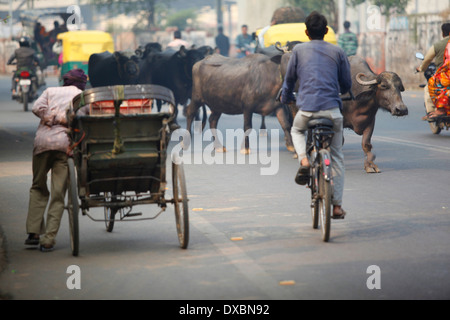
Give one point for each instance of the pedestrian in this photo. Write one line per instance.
(348, 40)
(222, 43)
(244, 42)
(49, 154)
(177, 42)
(323, 72)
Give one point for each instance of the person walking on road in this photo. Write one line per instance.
(222, 43)
(49, 154)
(348, 41)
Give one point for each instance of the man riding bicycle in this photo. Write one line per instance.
(323, 72)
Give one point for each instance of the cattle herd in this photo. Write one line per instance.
(244, 86)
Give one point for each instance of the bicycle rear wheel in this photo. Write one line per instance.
(314, 198)
(325, 191)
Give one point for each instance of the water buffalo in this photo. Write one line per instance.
(371, 92)
(238, 86)
(143, 51)
(172, 69)
(108, 69)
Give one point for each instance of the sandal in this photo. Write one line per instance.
(302, 176)
(339, 216)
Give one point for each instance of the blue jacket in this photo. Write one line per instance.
(323, 72)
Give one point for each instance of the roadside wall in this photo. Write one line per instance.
(393, 47)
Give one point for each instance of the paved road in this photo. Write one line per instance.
(251, 235)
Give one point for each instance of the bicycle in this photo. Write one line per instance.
(320, 135)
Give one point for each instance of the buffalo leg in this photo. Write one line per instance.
(283, 118)
(191, 111)
(213, 120)
(247, 128)
(369, 164)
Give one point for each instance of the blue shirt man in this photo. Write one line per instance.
(244, 42)
(323, 72)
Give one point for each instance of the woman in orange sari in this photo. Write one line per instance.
(439, 87)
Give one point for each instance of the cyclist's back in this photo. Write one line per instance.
(323, 72)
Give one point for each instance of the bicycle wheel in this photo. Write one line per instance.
(73, 208)
(180, 204)
(325, 191)
(314, 198)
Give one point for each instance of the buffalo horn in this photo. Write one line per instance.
(364, 83)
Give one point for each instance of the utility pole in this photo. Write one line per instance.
(219, 13)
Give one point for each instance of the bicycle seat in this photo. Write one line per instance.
(322, 122)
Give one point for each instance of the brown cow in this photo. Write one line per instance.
(238, 86)
(371, 92)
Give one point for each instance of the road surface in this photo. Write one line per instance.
(250, 233)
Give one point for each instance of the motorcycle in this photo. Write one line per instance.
(437, 123)
(24, 86)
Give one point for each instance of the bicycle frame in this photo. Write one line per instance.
(318, 138)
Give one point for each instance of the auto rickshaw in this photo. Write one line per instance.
(78, 45)
(285, 32)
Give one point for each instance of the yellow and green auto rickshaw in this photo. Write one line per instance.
(78, 45)
(285, 32)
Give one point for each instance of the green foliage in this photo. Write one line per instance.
(326, 7)
(308, 6)
(180, 19)
(146, 8)
(388, 7)
(5, 20)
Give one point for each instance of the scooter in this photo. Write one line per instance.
(24, 87)
(437, 123)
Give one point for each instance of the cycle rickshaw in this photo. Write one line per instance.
(117, 158)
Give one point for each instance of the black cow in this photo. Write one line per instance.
(238, 86)
(109, 69)
(144, 51)
(173, 70)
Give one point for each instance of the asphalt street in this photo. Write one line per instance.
(250, 233)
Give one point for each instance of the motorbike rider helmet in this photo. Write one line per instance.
(24, 42)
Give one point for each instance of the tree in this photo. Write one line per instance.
(388, 7)
(146, 7)
(326, 7)
(180, 19)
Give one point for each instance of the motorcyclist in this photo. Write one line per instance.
(26, 58)
(436, 53)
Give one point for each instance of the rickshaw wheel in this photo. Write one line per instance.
(73, 208)
(180, 204)
(110, 214)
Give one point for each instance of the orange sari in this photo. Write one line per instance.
(439, 84)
